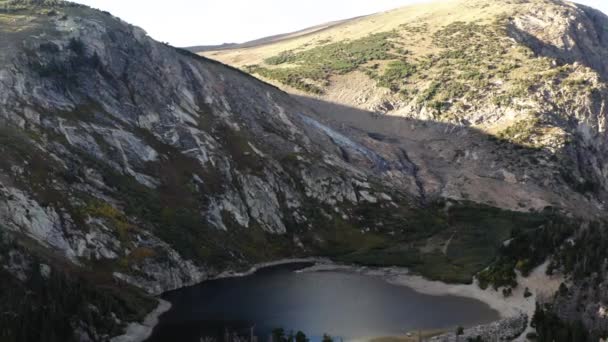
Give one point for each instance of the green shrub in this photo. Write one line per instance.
(313, 68)
(429, 93)
(551, 328)
(396, 75)
(283, 57)
(534, 245)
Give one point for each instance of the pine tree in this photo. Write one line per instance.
(327, 338)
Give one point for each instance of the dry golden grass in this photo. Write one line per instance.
(14, 23)
(464, 62)
(434, 15)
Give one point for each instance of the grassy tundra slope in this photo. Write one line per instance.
(130, 168)
(502, 103)
(469, 80)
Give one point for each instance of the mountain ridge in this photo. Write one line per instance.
(131, 168)
(268, 39)
(142, 168)
(475, 97)
(450, 83)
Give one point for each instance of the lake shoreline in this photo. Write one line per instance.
(253, 269)
(403, 277)
(514, 310)
(139, 332)
(509, 309)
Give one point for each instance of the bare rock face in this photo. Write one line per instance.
(494, 88)
(568, 33)
(497, 102)
(149, 168)
(163, 166)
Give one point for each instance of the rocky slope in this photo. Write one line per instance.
(129, 161)
(498, 102)
(130, 168)
(475, 74)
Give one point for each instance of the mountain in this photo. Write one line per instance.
(265, 40)
(530, 74)
(127, 161)
(130, 167)
(501, 103)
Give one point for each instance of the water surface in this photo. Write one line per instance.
(342, 304)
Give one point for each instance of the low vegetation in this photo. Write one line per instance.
(396, 74)
(112, 215)
(527, 249)
(463, 66)
(310, 70)
(475, 234)
(550, 328)
(54, 300)
(583, 254)
(521, 132)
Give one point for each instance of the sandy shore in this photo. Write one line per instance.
(139, 332)
(537, 282)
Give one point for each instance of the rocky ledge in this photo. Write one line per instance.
(506, 329)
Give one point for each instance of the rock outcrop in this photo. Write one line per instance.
(497, 102)
(107, 110)
(130, 167)
(513, 88)
(139, 163)
(507, 329)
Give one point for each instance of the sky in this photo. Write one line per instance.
(211, 22)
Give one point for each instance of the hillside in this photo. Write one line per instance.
(529, 74)
(127, 161)
(266, 40)
(130, 168)
(501, 103)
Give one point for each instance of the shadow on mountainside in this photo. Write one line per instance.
(463, 162)
(481, 175)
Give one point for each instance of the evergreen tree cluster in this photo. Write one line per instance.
(61, 304)
(550, 328)
(525, 251)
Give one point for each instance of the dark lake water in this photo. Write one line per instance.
(341, 304)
